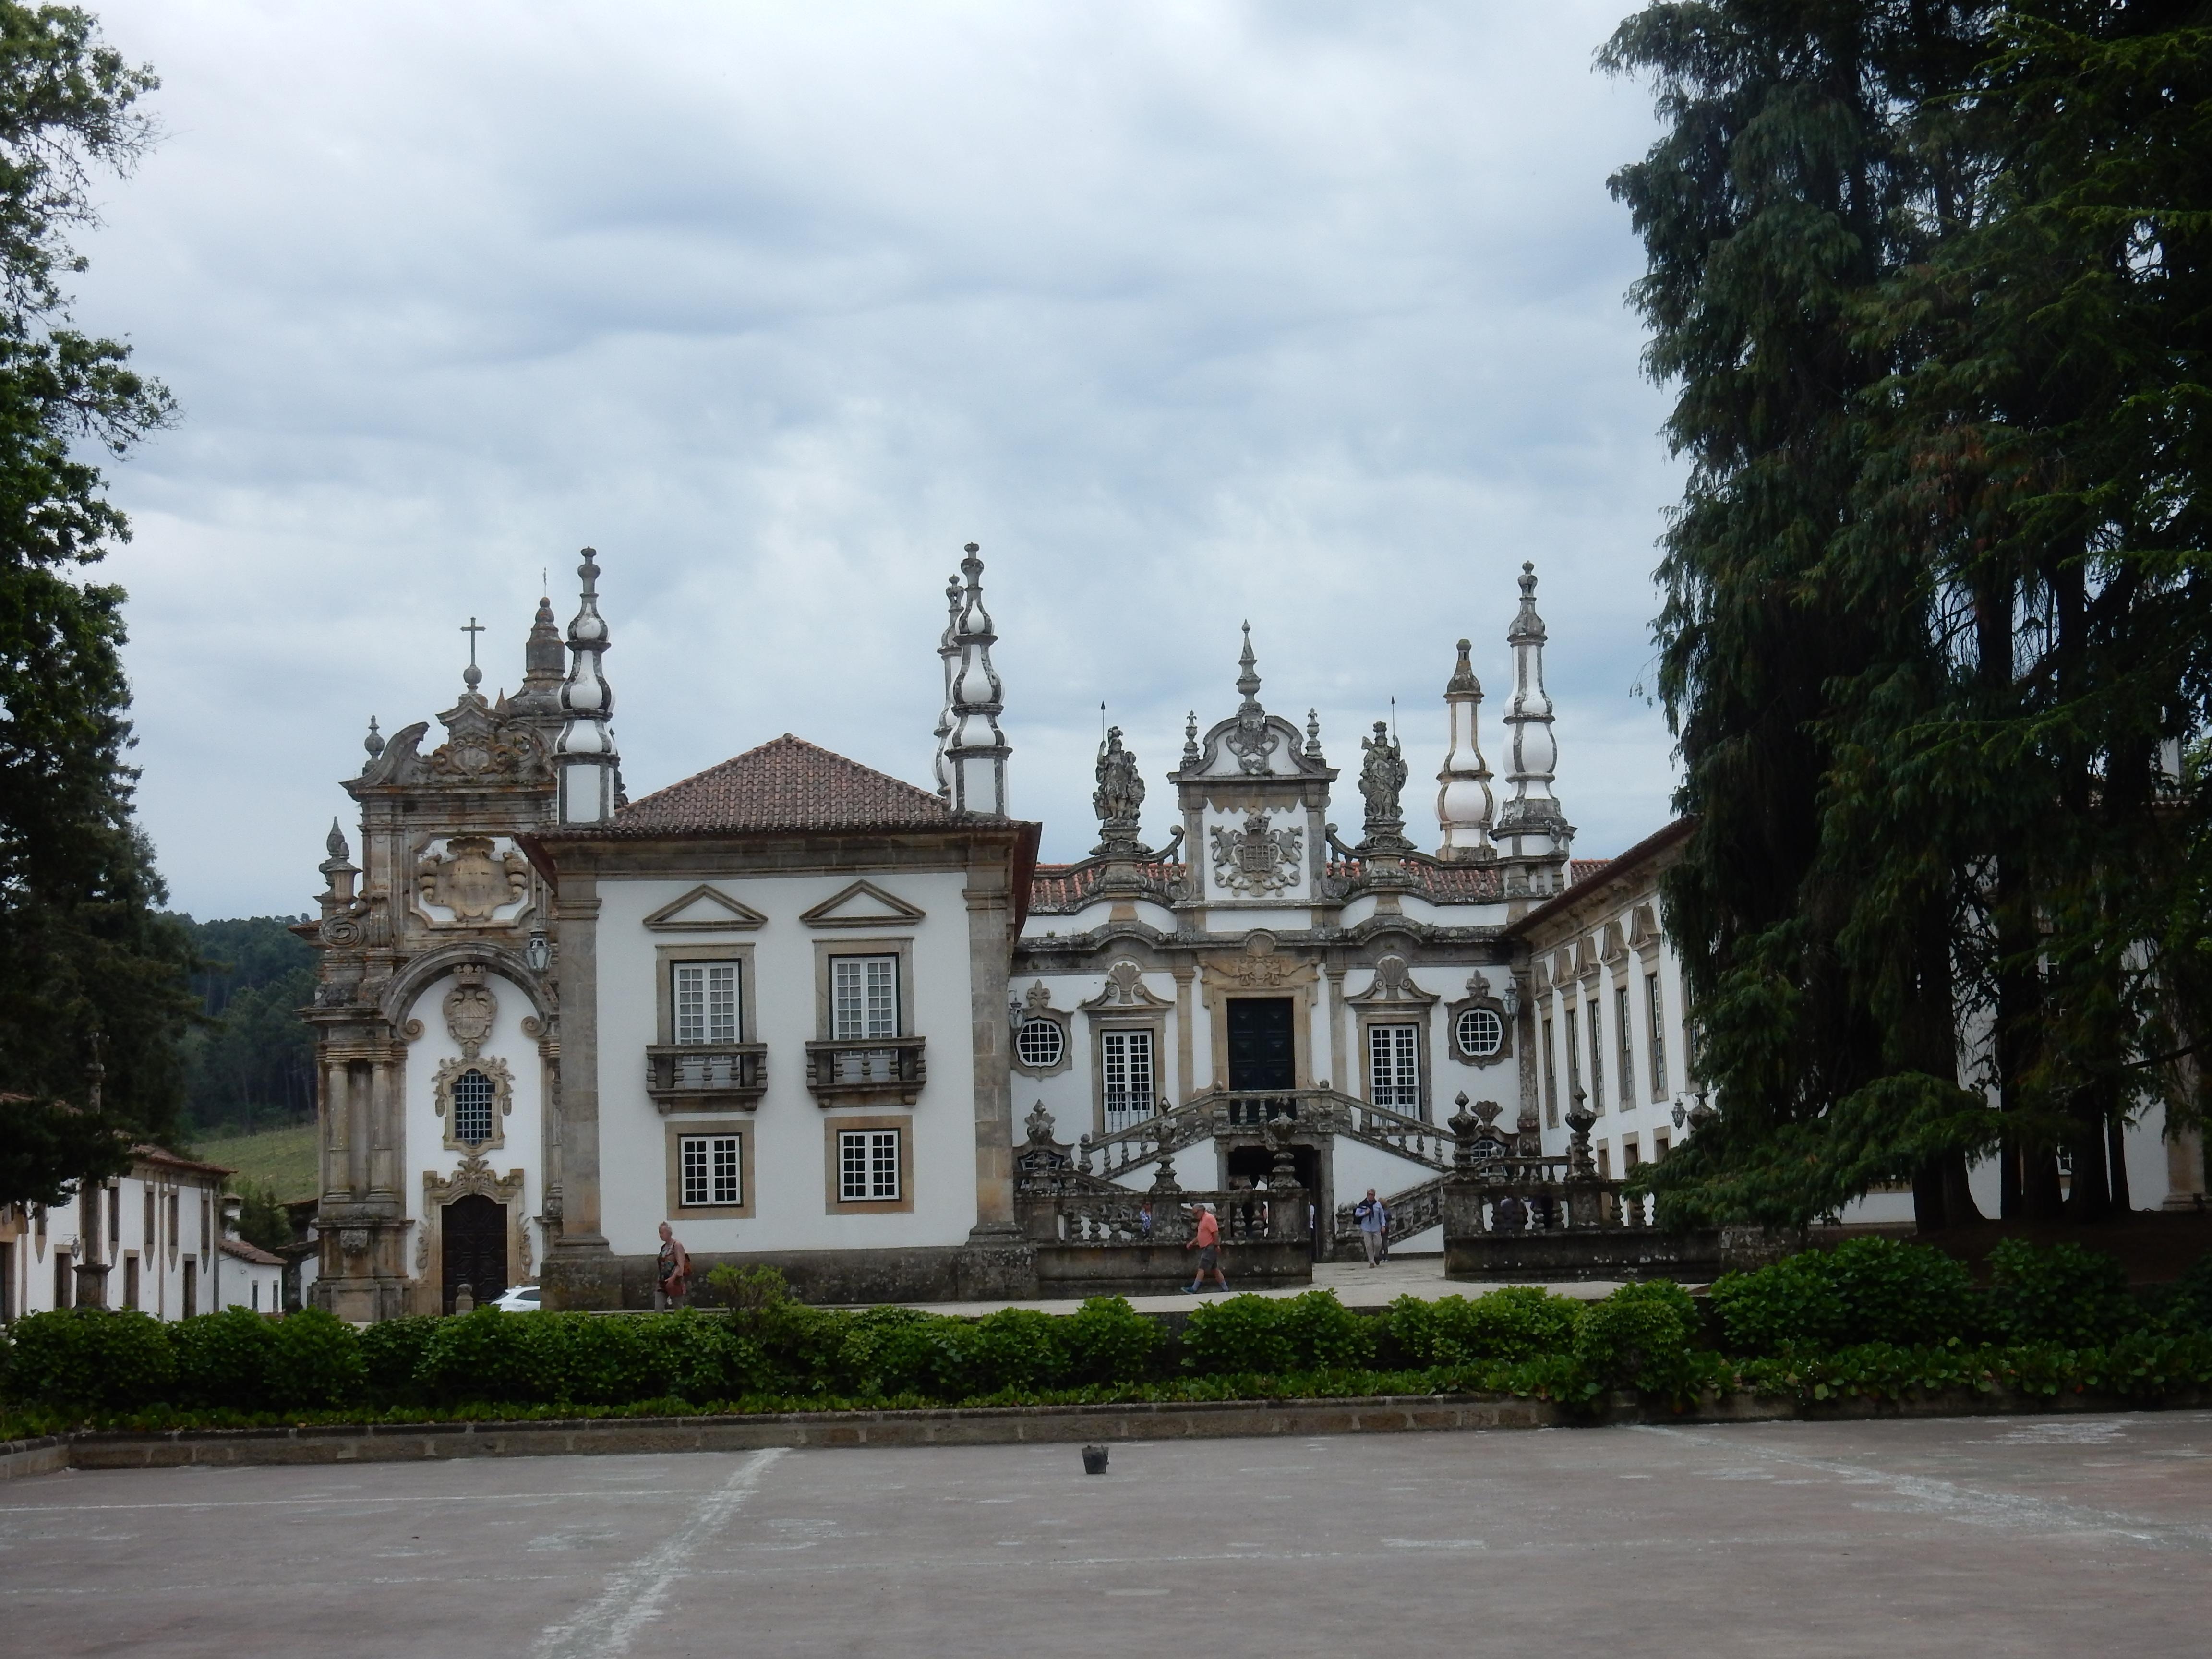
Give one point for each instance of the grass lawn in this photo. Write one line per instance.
(282, 1159)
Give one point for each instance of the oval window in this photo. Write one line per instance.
(1481, 1033)
(1040, 1043)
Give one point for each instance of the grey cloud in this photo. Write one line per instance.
(1188, 314)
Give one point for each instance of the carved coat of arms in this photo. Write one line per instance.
(1255, 858)
(471, 878)
(470, 1009)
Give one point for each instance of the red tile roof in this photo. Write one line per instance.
(1058, 889)
(1581, 869)
(1438, 883)
(785, 784)
(253, 1253)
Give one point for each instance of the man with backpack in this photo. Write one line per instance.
(1373, 1218)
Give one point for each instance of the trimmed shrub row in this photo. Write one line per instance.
(1879, 1290)
(1873, 1316)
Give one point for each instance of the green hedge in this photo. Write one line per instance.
(1874, 1317)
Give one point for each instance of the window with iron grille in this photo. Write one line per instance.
(867, 1165)
(1125, 1062)
(1624, 1037)
(1658, 1018)
(1393, 1067)
(1040, 1043)
(863, 998)
(711, 1173)
(472, 1098)
(706, 1001)
(1481, 1032)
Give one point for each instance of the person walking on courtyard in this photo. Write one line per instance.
(1206, 1239)
(672, 1272)
(1372, 1218)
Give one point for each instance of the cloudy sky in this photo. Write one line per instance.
(1190, 313)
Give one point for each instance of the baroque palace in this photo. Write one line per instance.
(822, 1017)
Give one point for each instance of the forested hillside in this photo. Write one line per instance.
(254, 1068)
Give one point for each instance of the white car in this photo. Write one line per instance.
(518, 1298)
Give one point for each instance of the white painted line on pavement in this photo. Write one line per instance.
(633, 1595)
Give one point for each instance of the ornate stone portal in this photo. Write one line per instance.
(474, 1178)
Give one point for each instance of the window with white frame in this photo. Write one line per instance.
(863, 998)
(1657, 1013)
(1551, 1079)
(1040, 1043)
(1481, 1032)
(1393, 1067)
(1623, 1040)
(1574, 1055)
(868, 1165)
(1125, 1059)
(1596, 1057)
(706, 998)
(710, 1170)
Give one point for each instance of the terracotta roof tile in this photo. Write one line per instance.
(785, 784)
(1581, 869)
(1439, 883)
(1060, 890)
(253, 1253)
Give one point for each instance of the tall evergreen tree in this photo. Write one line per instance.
(89, 973)
(1933, 279)
(1774, 205)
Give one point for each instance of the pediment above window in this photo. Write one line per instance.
(705, 909)
(863, 904)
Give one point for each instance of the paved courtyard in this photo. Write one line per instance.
(1356, 1285)
(2022, 1536)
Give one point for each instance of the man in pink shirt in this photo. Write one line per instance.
(1206, 1239)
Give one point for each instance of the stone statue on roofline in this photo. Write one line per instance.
(1382, 780)
(1119, 799)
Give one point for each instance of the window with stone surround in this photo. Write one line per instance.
(1393, 1067)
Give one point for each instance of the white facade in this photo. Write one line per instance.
(158, 1229)
(786, 1149)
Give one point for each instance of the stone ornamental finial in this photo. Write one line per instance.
(1248, 679)
(543, 659)
(948, 656)
(374, 741)
(585, 761)
(335, 842)
(1253, 740)
(473, 676)
(1464, 802)
(1313, 734)
(1190, 755)
(1531, 830)
(977, 749)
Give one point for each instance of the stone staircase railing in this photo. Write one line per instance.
(1222, 1111)
(1413, 1210)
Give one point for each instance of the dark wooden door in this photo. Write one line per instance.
(1261, 1054)
(474, 1245)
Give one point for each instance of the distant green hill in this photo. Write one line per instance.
(282, 1159)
